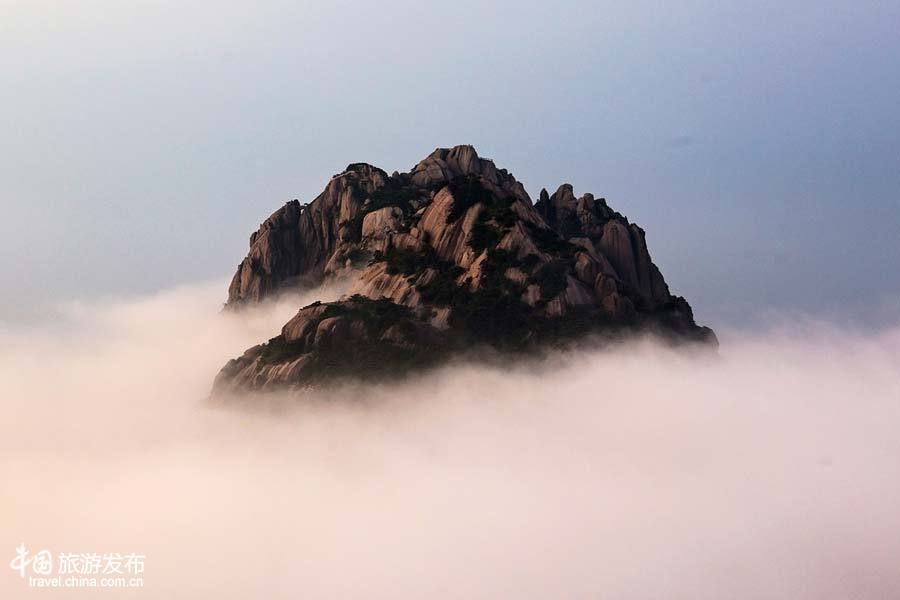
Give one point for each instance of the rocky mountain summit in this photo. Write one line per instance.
(448, 257)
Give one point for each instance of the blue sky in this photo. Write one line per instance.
(757, 143)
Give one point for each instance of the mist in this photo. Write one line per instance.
(771, 470)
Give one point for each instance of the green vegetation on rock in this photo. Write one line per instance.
(405, 261)
(550, 242)
(278, 350)
(551, 277)
(484, 236)
(393, 193)
(467, 192)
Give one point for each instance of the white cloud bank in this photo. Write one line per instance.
(772, 471)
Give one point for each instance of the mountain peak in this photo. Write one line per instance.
(450, 255)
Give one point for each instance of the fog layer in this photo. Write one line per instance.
(770, 471)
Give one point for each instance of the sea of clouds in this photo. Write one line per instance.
(771, 470)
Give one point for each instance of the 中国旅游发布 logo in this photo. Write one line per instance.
(79, 569)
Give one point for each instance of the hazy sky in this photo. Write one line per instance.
(758, 143)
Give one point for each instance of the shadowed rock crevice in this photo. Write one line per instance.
(449, 256)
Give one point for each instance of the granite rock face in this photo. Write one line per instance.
(294, 245)
(449, 256)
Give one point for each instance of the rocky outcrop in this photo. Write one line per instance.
(358, 334)
(444, 165)
(293, 246)
(449, 255)
(621, 243)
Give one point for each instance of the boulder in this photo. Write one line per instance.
(381, 222)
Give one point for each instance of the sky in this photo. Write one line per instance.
(758, 144)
